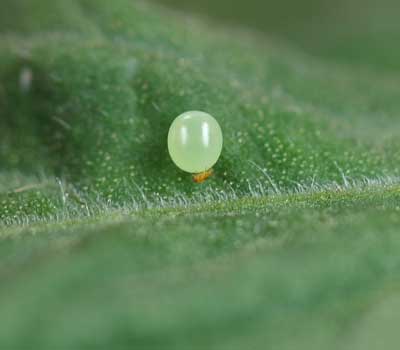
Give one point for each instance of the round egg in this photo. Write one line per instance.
(195, 141)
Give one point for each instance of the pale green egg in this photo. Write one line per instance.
(195, 141)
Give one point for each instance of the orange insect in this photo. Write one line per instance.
(201, 177)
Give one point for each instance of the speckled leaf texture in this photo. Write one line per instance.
(293, 243)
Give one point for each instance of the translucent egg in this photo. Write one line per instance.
(195, 141)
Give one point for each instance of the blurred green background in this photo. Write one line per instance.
(349, 31)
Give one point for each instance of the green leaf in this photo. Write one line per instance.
(105, 243)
